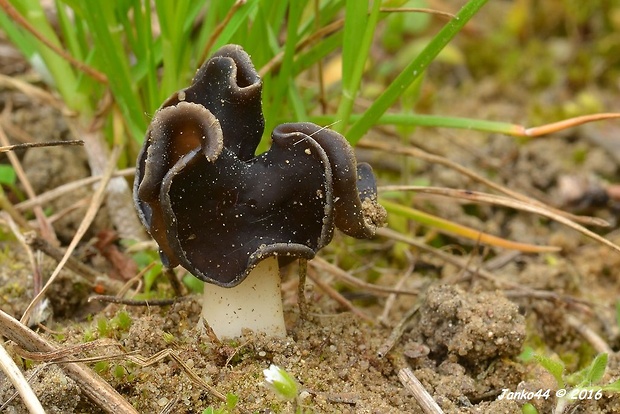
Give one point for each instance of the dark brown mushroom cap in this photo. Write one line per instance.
(215, 208)
(229, 87)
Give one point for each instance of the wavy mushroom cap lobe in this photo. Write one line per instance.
(217, 209)
(229, 87)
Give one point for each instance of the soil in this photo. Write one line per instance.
(465, 332)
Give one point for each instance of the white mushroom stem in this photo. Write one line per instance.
(255, 304)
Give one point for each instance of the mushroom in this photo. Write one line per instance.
(232, 218)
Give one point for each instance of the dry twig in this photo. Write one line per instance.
(598, 343)
(97, 390)
(61, 190)
(424, 399)
(47, 231)
(40, 144)
(391, 299)
(17, 378)
(397, 332)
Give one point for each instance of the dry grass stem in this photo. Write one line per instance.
(84, 225)
(344, 276)
(456, 261)
(41, 144)
(510, 289)
(599, 344)
(578, 305)
(301, 289)
(391, 299)
(424, 399)
(119, 201)
(58, 215)
(61, 190)
(20, 238)
(418, 153)
(136, 280)
(7, 207)
(16, 377)
(507, 202)
(133, 302)
(46, 229)
(37, 279)
(167, 353)
(319, 34)
(33, 374)
(177, 286)
(61, 354)
(8, 82)
(169, 407)
(56, 253)
(19, 19)
(397, 332)
(96, 389)
(219, 28)
(519, 289)
(332, 293)
(565, 124)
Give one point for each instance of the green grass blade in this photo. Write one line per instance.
(413, 71)
(595, 371)
(436, 121)
(240, 18)
(356, 16)
(69, 30)
(555, 368)
(145, 50)
(310, 57)
(297, 103)
(175, 42)
(358, 25)
(62, 72)
(280, 84)
(107, 36)
(26, 45)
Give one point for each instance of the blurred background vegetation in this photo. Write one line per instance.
(357, 66)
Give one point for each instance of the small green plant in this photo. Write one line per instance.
(119, 372)
(102, 366)
(226, 408)
(89, 335)
(283, 385)
(169, 338)
(122, 321)
(281, 382)
(103, 328)
(582, 385)
(7, 175)
(111, 328)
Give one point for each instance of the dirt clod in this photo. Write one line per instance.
(471, 328)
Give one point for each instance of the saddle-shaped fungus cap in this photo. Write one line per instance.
(217, 209)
